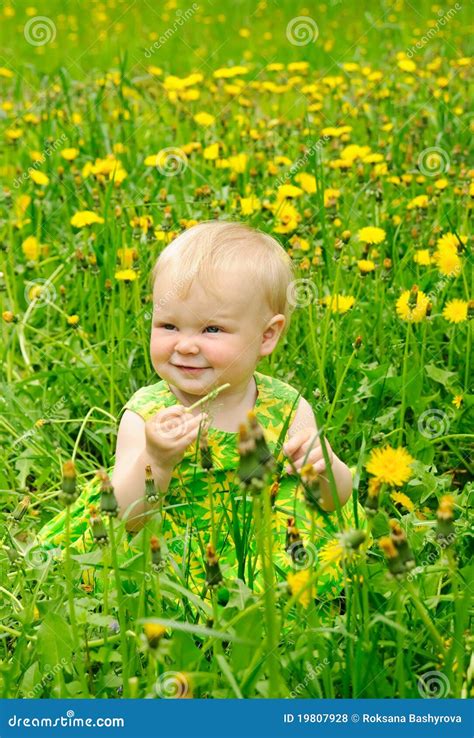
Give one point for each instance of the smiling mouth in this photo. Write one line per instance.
(191, 368)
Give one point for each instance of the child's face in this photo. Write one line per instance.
(221, 338)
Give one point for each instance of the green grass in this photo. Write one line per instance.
(397, 388)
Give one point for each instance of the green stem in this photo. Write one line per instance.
(72, 610)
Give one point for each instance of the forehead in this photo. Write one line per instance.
(230, 296)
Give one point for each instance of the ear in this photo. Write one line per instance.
(271, 334)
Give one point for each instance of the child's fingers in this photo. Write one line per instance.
(307, 435)
(314, 458)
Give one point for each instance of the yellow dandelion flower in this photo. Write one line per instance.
(371, 234)
(126, 275)
(72, 319)
(70, 154)
(249, 205)
(238, 163)
(450, 241)
(330, 197)
(307, 182)
(441, 184)
(211, 152)
(457, 401)
(39, 178)
(296, 582)
(421, 201)
(403, 499)
(288, 190)
(455, 311)
(448, 263)
(366, 266)
(31, 248)
(415, 313)
(154, 633)
(204, 119)
(339, 303)
(422, 257)
(390, 465)
(85, 218)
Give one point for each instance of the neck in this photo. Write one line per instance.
(228, 403)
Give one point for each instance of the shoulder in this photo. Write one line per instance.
(278, 389)
(148, 400)
(303, 418)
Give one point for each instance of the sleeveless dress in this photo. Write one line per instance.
(185, 525)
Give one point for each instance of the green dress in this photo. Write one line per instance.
(185, 521)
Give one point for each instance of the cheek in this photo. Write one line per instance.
(158, 346)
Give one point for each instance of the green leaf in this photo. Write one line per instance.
(55, 643)
(439, 375)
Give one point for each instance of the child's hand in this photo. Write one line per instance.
(297, 447)
(170, 432)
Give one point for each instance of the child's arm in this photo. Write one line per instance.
(160, 442)
(303, 436)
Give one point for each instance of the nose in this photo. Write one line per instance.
(187, 345)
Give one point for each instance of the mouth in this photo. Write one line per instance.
(191, 369)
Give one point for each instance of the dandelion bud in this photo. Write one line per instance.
(9, 317)
(156, 558)
(470, 309)
(21, 508)
(151, 493)
(248, 462)
(312, 491)
(205, 451)
(108, 501)
(69, 493)
(413, 297)
(394, 565)
(357, 343)
(387, 264)
(354, 538)
(264, 455)
(98, 527)
(401, 544)
(445, 525)
(213, 570)
(294, 544)
(346, 236)
(371, 503)
(274, 493)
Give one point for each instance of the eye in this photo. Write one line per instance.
(210, 327)
(166, 326)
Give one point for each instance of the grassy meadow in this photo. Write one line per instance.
(343, 131)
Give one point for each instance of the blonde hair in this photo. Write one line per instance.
(213, 246)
